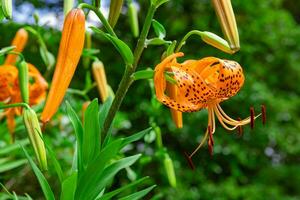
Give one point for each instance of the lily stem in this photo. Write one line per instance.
(100, 16)
(129, 70)
(14, 105)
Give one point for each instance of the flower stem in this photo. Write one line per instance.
(100, 16)
(14, 105)
(129, 70)
(182, 42)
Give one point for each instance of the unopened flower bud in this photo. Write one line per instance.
(35, 136)
(7, 8)
(24, 80)
(226, 18)
(100, 78)
(216, 41)
(169, 167)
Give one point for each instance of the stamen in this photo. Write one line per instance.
(252, 115)
(190, 161)
(210, 141)
(240, 128)
(264, 114)
(210, 135)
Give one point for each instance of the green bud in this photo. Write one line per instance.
(114, 11)
(35, 136)
(24, 81)
(216, 41)
(133, 19)
(169, 167)
(7, 8)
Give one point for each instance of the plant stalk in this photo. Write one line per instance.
(130, 69)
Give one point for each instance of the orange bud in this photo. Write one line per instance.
(70, 49)
(83, 109)
(100, 78)
(19, 42)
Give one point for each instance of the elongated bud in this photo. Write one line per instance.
(100, 78)
(114, 11)
(24, 81)
(19, 42)
(68, 5)
(70, 49)
(176, 115)
(7, 8)
(226, 18)
(216, 41)
(169, 167)
(133, 19)
(34, 132)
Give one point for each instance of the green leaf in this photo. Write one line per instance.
(121, 46)
(138, 195)
(143, 74)
(135, 137)
(90, 51)
(11, 165)
(92, 174)
(159, 29)
(102, 116)
(111, 194)
(55, 162)
(69, 187)
(109, 172)
(9, 148)
(42, 180)
(47, 57)
(91, 138)
(79, 134)
(156, 41)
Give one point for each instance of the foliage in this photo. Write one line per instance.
(262, 164)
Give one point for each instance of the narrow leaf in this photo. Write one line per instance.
(91, 138)
(93, 173)
(138, 195)
(79, 134)
(111, 194)
(9, 148)
(69, 187)
(42, 180)
(121, 46)
(96, 187)
(143, 74)
(135, 137)
(159, 29)
(11, 165)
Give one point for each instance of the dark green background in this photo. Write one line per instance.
(262, 164)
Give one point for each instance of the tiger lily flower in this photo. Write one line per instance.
(10, 91)
(70, 49)
(19, 42)
(203, 84)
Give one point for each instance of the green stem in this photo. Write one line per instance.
(15, 105)
(182, 42)
(129, 70)
(17, 53)
(100, 16)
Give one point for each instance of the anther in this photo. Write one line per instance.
(263, 114)
(252, 115)
(190, 161)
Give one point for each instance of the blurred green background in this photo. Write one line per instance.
(264, 163)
